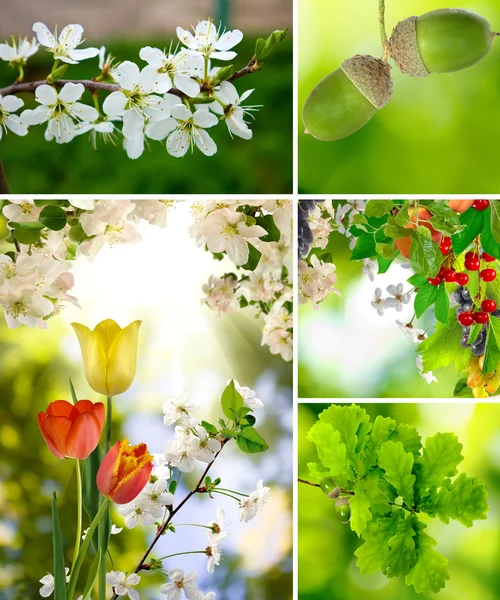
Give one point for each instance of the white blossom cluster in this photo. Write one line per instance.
(174, 97)
(316, 281)
(230, 228)
(35, 281)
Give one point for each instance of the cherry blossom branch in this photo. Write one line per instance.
(4, 186)
(164, 527)
(250, 68)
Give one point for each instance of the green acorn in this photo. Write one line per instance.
(343, 510)
(347, 98)
(329, 487)
(440, 41)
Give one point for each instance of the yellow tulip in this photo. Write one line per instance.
(109, 355)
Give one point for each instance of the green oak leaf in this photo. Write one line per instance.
(379, 492)
(403, 555)
(360, 508)
(331, 450)
(373, 553)
(464, 500)
(440, 457)
(317, 471)
(409, 437)
(398, 466)
(429, 573)
(382, 428)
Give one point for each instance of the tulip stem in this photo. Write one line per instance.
(383, 33)
(79, 514)
(109, 418)
(84, 547)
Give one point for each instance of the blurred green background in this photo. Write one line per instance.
(181, 343)
(435, 136)
(260, 165)
(346, 350)
(327, 565)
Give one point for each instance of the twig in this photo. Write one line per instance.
(4, 186)
(383, 33)
(309, 482)
(162, 530)
(250, 68)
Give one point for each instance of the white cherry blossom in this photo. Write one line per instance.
(219, 525)
(220, 294)
(8, 120)
(124, 584)
(209, 41)
(174, 70)
(21, 211)
(17, 53)
(399, 297)
(64, 48)
(181, 585)
(233, 112)
(250, 399)
(212, 551)
(180, 408)
(47, 582)
(379, 303)
(250, 506)
(203, 447)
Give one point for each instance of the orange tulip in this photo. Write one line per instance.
(124, 472)
(72, 431)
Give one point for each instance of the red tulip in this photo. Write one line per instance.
(124, 472)
(72, 431)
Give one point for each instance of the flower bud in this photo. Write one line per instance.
(109, 355)
(124, 472)
(72, 431)
(345, 100)
(440, 41)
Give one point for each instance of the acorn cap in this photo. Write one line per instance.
(371, 76)
(403, 48)
(342, 501)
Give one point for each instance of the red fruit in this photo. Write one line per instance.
(445, 245)
(459, 206)
(472, 264)
(435, 280)
(480, 317)
(449, 275)
(471, 255)
(424, 216)
(480, 204)
(488, 275)
(488, 306)
(487, 257)
(462, 278)
(465, 319)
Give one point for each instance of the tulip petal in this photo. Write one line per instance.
(94, 358)
(62, 408)
(83, 436)
(106, 331)
(99, 413)
(122, 357)
(57, 429)
(106, 477)
(50, 444)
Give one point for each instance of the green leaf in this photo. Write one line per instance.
(462, 390)
(377, 208)
(443, 348)
(250, 419)
(253, 258)
(473, 220)
(464, 500)
(417, 280)
(27, 225)
(492, 353)
(251, 442)
(365, 247)
(372, 555)
(57, 545)
(387, 251)
(474, 332)
(394, 231)
(53, 217)
(72, 390)
(403, 217)
(379, 492)
(51, 202)
(26, 237)
(444, 218)
(442, 307)
(382, 428)
(331, 450)
(92, 576)
(425, 254)
(273, 233)
(384, 264)
(403, 555)
(429, 573)
(488, 243)
(426, 296)
(360, 508)
(210, 428)
(317, 471)
(495, 219)
(77, 234)
(90, 493)
(398, 466)
(409, 437)
(440, 457)
(231, 401)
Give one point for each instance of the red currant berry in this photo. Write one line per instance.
(465, 319)
(449, 275)
(462, 278)
(480, 204)
(445, 245)
(488, 275)
(487, 257)
(488, 306)
(435, 280)
(472, 264)
(480, 317)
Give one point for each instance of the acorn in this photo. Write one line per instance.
(343, 510)
(329, 487)
(440, 41)
(347, 98)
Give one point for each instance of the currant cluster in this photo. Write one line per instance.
(304, 230)
(482, 384)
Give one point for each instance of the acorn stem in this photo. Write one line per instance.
(383, 33)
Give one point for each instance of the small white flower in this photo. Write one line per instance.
(251, 505)
(282, 214)
(179, 70)
(17, 53)
(103, 128)
(203, 447)
(399, 297)
(370, 268)
(280, 341)
(209, 41)
(249, 396)
(123, 584)
(64, 48)
(9, 105)
(233, 112)
(180, 583)
(379, 303)
(155, 495)
(137, 513)
(218, 526)
(212, 551)
(417, 335)
(107, 64)
(21, 210)
(220, 294)
(179, 408)
(115, 530)
(178, 451)
(47, 582)
(61, 111)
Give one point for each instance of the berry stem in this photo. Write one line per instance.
(383, 33)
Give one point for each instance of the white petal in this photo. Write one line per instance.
(223, 55)
(127, 75)
(35, 117)
(134, 146)
(45, 94)
(71, 92)
(245, 95)
(150, 80)
(84, 53)
(153, 56)
(7, 52)
(239, 128)
(114, 104)
(178, 143)
(16, 125)
(133, 124)
(205, 143)
(11, 103)
(71, 36)
(65, 59)
(186, 37)
(203, 118)
(44, 35)
(187, 85)
(159, 130)
(206, 32)
(229, 92)
(84, 112)
(181, 112)
(229, 40)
